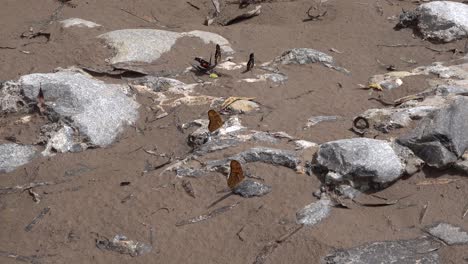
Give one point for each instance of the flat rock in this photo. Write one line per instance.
(285, 158)
(78, 22)
(249, 188)
(147, 45)
(99, 110)
(361, 158)
(307, 56)
(413, 251)
(14, 155)
(314, 213)
(439, 20)
(441, 137)
(450, 234)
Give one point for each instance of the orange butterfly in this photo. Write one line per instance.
(236, 174)
(215, 120)
(41, 101)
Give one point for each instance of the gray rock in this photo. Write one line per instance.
(412, 163)
(421, 250)
(439, 20)
(307, 56)
(314, 213)
(304, 56)
(275, 77)
(462, 165)
(63, 141)
(11, 100)
(450, 234)
(249, 188)
(273, 156)
(157, 84)
(14, 155)
(78, 22)
(361, 159)
(123, 245)
(318, 119)
(147, 45)
(97, 109)
(442, 137)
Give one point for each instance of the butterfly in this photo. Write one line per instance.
(236, 175)
(217, 54)
(251, 62)
(41, 101)
(215, 120)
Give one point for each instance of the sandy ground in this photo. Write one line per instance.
(89, 201)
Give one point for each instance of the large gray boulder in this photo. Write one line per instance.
(441, 137)
(439, 20)
(450, 234)
(360, 159)
(147, 45)
(99, 110)
(14, 155)
(413, 251)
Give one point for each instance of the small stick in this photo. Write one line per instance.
(288, 235)
(438, 181)
(192, 5)
(399, 45)
(216, 5)
(163, 164)
(130, 13)
(465, 212)
(188, 188)
(35, 195)
(272, 245)
(37, 219)
(21, 188)
(28, 259)
(239, 235)
(423, 212)
(210, 215)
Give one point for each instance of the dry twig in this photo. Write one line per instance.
(210, 215)
(36, 219)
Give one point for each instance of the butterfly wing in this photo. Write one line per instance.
(215, 120)
(236, 174)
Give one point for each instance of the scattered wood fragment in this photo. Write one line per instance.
(335, 50)
(163, 164)
(36, 220)
(399, 45)
(268, 249)
(210, 215)
(239, 234)
(216, 6)
(438, 181)
(34, 259)
(35, 196)
(22, 188)
(465, 211)
(187, 185)
(192, 5)
(139, 17)
(423, 213)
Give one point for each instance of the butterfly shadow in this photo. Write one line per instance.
(220, 199)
